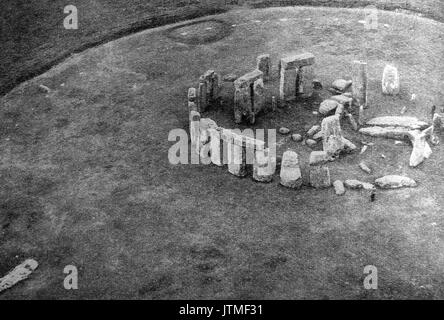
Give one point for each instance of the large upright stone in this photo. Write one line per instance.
(195, 131)
(264, 65)
(264, 166)
(294, 79)
(421, 149)
(237, 157)
(359, 83)
(390, 80)
(333, 141)
(320, 177)
(304, 81)
(216, 147)
(202, 95)
(287, 84)
(242, 103)
(290, 175)
(259, 96)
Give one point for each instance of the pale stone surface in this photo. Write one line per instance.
(359, 80)
(259, 96)
(340, 110)
(192, 94)
(297, 60)
(421, 149)
(398, 121)
(394, 182)
(328, 106)
(305, 79)
(192, 106)
(313, 130)
(318, 157)
(341, 84)
(287, 84)
(320, 177)
(296, 137)
(387, 132)
(284, 130)
(290, 174)
(353, 184)
(333, 141)
(264, 65)
(216, 147)
(273, 103)
(264, 166)
(249, 78)
(352, 121)
(365, 168)
(361, 116)
(343, 99)
(317, 136)
(19, 273)
(195, 131)
(339, 187)
(390, 80)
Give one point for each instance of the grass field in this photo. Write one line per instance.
(86, 179)
(33, 39)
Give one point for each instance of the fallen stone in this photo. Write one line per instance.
(394, 182)
(343, 99)
(339, 187)
(290, 174)
(387, 132)
(230, 77)
(310, 142)
(365, 168)
(318, 157)
(364, 148)
(296, 137)
(398, 121)
(284, 130)
(44, 89)
(317, 136)
(19, 273)
(368, 186)
(313, 130)
(328, 106)
(353, 184)
(341, 84)
(390, 80)
(320, 177)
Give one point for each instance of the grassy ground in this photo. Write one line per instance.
(33, 39)
(86, 180)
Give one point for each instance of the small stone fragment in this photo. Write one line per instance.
(310, 142)
(313, 130)
(364, 148)
(339, 187)
(364, 167)
(390, 80)
(284, 130)
(296, 137)
(353, 184)
(44, 89)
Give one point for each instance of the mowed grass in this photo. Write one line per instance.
(33, 39)
(86, 177)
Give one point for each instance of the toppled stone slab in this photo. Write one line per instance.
(284, 130)
(317, 136)
(395, 182)
(319, 157)
(328, 106)
(313, 130)
(390, 80)
(341, 84)
(19, 273)
(386, 132)
(356, 184)
(290, 174)
(339, 187)
(411, 123)
(320, 177)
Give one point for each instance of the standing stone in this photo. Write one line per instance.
(421, 149)
(216, 147)
(339, 187)
(215, 86)
(242, 103)
(333, 141)
(290, 175)
(359, 83)
(273, 103)
(361, 116)
(192, 95)
(192, 106)
(202, 95)
(287, 84)
(318, 157)
(320, 177)
(264, 65)
(259, 96)
(208, 77)
(195, 131)
(305, 81)
(390, 80)
(264, 166)
(237, 156)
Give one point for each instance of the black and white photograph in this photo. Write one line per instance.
(229, 151)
